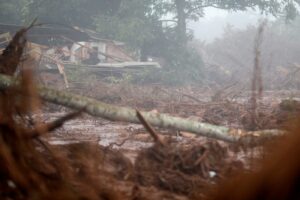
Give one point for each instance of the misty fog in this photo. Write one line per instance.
(212, 24)
(174, 43)
(149, 99)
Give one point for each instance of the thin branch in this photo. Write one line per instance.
(52, 125)
(148, 127)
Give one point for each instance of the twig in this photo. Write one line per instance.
(110, 146)
(52, 125)
(148, 127)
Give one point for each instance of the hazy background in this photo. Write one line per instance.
(212, 24)
(220, 50)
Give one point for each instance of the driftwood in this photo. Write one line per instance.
(116, 113)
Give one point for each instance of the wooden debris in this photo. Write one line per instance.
(148, 127)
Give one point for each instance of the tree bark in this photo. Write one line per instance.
(116, 113)
(181, 20)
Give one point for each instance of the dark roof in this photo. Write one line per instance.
(49, 35)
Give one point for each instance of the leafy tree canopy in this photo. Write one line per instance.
(67, 12)
(182, 11)
(135, 23)
(143, 24)
(12, 11)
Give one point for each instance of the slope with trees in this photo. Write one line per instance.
(155, 28)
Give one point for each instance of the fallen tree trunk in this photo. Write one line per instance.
(116, 113)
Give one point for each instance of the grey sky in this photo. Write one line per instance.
(212, 25)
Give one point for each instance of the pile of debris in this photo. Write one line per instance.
(56, 51)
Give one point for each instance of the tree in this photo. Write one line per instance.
(13, 11)
(185, 10)
(143, 24)
(65, 12)
(136, 23)
(233, 53)
(71, 12)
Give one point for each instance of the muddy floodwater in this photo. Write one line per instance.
(127, 137)
(130, 138)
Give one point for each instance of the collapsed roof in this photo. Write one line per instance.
(50, 35)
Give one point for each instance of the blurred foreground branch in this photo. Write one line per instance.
(116, 113)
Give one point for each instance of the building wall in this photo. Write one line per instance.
(118, 52)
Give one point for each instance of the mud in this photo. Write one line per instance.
(88, 158)
(186, 165)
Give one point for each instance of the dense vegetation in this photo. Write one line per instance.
(155, 28)
(233, 52)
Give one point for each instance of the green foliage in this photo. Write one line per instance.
(82, 12)
(123, 79)
(186, 67)
(133, 31)
(134, 23)
(280, 48)
(181, 11)
(71, 12)
(183, 66)
(13, 11)
(141, 24)
(65, 12)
